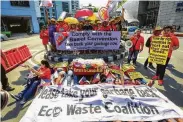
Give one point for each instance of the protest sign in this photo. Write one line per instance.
(135, 75)
(159, 50)
(100, 103)
(127, 67)
(88, 40)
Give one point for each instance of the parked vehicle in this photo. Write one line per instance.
(3, 37)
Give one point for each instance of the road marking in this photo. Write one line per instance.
(32, 63)
(180, 50)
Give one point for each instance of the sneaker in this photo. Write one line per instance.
(160, 82)
(9, 88)
(152, 67)
(151, 83)
(16, 97)
(22, 102)
(155, 77)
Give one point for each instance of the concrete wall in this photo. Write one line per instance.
(168, 15)
(8, 10)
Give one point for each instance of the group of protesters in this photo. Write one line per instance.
(138, 45)
(47, 32)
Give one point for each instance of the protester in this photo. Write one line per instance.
(87, 26)
(138, 45)
(113, 25)
(45, 37)
(174, 45)
(73, 27)
(4, 79)
(44, 73)
(62, 26)
(52, 29)
(157, 32)
(105, 26)
(80, 27)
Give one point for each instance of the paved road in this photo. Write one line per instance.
(173, 87)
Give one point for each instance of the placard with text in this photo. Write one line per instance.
(100, 103)
(159, 50)
(88, 40)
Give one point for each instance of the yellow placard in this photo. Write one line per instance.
(61, 64)
(135, 75)
(126, 67)
(159, 50)
(116, 71)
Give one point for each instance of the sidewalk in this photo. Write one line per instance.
(20, 35)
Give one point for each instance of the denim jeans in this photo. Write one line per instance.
(134, 54)
(29, 89)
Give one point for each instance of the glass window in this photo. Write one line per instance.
(73, 7)
(20, 3)
(65, 6)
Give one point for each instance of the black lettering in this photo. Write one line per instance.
(85, 110)
(117, 109)
(47, 112)
(124, 110)
(107, 108)
(97, 109)
(91, 109)
(42, 110)
(146, 110)
(71, 109)
(154, 110)
(78, 110)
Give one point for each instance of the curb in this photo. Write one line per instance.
(70, 59)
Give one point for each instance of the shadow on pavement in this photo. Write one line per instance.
(14, 112)
(23, 74)
(172, 69)
(173, 90)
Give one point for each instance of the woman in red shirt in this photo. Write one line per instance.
(45, 37)
(174, 45)
(113, 25)
(43, 73)
(138, 45)
(73, 27)
(105, 26)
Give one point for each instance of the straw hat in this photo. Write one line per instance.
(158, 28)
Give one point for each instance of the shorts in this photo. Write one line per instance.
(52, 41)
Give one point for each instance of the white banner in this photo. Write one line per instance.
(100, 103)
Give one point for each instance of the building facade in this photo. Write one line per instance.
(171, 13)
(74, 6)
(19, 16)
(148, 13)
(69, 6)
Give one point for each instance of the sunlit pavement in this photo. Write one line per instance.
(173, 87)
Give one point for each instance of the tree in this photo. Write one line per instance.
(95, 9)
(89, 4)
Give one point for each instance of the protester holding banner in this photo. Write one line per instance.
(157, 32)
(173, 45)
(87, 26)
(113, 25)
(52, 29)
(43, 73)
(73, 27)
(105, 26)
(138, 45)
(45, 37)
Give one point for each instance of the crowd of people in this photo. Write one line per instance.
(138, 45)
(47, 32)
